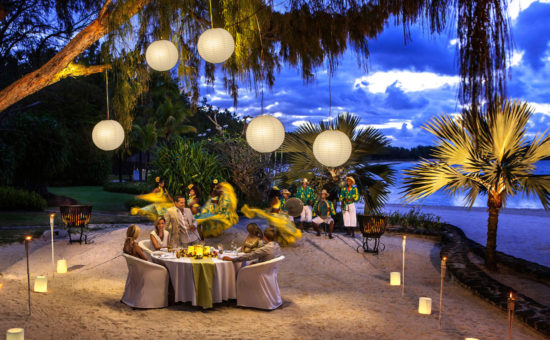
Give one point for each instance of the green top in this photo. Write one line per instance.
(349, 195)
(307, 195)
(321, 209)
(283, 204)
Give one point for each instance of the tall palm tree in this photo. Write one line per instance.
(373, 180)
(489, 155)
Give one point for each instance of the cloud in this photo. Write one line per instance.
(408, 81)
(531, 33)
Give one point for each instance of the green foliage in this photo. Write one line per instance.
(136, 202)
(183, 162)
(135, 188)
(18, 199)
(414, 219)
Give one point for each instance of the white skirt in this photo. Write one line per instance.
(350, 217)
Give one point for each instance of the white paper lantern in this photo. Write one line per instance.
(15, 334)
(61, 266)
(40, 284)
(395, 279)
(425, 305)
(332, 148)
(108, 135)
(265, 133)
(216, 45)
(162, 55)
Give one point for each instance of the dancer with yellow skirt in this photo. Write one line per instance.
(160, 201)
(220, 212)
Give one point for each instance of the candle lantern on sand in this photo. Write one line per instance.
(61, 266)
(41, 284)
(425, 305)
(395, 279)
(15, 334)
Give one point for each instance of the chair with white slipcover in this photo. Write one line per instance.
(147, 247)
(257, 285)
(146, 284)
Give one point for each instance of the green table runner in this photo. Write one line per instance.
(203, 274)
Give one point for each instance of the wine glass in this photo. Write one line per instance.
(220, 248)
(233, 246)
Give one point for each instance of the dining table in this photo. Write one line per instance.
(202, 282)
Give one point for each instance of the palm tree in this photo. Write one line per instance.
(485, 153)
(372, 180)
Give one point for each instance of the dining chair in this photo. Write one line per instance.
(147, 247)
(257, 285)
(146, 284)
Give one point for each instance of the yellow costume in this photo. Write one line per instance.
(160, 202)
(287, 231)
(217, 217)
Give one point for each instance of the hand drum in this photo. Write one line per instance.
(294, 206)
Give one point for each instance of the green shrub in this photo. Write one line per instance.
(18, 199)
(135, 188)
(414, 219)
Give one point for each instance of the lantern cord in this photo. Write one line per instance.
(107, 92)
(211, 19)
(262, 65)
(329, 96)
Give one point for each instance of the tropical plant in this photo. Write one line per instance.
(372, 180)
(483, 153)
(183, 162)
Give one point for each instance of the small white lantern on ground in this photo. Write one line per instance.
(395, 279)
(216, 45)
(265, 133)
(332, 148)
(15, 334)
(61, 266)
(425, 305)
(40, 284)
(108, 135)
(162, 55)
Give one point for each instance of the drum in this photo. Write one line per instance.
(294, 206)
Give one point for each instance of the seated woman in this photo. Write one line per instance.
(159, 236)
(131, 247)
(254, 238)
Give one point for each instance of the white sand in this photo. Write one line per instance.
(329, 291)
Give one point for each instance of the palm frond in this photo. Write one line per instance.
(539, 186)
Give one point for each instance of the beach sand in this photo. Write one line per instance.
(329, 291)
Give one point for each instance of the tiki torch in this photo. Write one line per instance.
(27, 244)
(511, 307)
(403, 267)
(443, 268)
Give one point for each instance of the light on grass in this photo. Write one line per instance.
(15, 334)
(61, 266)
(425, 305)
(332, 148)
(162, 55)
(216, 45)
(395, 279)
(40, 284)
(265, 133)
(108, 135)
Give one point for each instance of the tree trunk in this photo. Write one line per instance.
(55, 68)
(140, 166)
(120, 166)
(494, 203)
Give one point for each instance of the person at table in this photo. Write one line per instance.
(305, 194)
(193, 202)
(159, 236)
(160, 201)
(269, 251)
(323, 210)
(131, 247)
(348, 196)
(181, 223)
(254, 238)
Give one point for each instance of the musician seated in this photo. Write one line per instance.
(269, 251)
(323, 211)
(131, 247)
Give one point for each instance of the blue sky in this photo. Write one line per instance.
(406, 85)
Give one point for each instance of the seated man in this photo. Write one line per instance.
(324, 210)
(269, 251)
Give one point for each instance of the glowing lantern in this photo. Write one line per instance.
(425, 305)
(108, 135)
(332, 148)
(265, 133)
(395, 279)
(216, 45)
(41, 284)
(61, 266)
(162, 55)
(15, 334)
(471, 339)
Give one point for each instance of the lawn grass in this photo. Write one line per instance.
(95, 195)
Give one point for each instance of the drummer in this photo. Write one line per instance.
(323, 210)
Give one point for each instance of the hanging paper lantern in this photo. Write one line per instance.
(265, 133)
(216, 45)
(161, 55)
(332, 148)
(108, 135)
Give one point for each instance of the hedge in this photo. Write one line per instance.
(18, 199)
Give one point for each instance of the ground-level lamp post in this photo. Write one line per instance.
(511, 308)
(403, 267)
(443, 269)
(52, 216)
(27, 244)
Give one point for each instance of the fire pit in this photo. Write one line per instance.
(76, 218)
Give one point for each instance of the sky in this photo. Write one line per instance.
(405, 85)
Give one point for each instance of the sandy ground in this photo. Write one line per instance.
(329, 291)
(523, 233)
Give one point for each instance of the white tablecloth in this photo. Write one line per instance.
(224, 286)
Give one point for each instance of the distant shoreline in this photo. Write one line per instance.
(509, 211)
